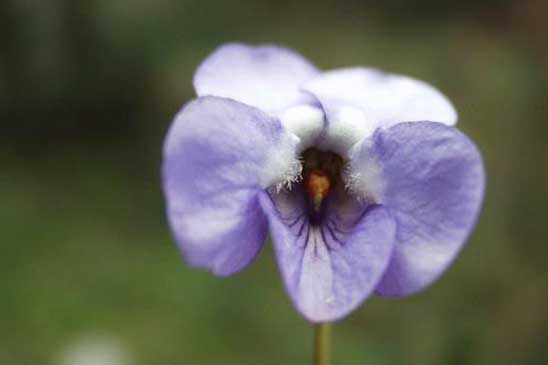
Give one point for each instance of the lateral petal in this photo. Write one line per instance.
(218, 155)
(431, 178)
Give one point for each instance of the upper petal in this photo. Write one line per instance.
(218, 155)
(431, 178)
(267, 77)
(331, 268)
(386, 98)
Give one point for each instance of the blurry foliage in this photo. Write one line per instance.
(87, 91)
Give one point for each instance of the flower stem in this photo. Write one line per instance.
(322, 347)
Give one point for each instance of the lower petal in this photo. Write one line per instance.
(329, 269)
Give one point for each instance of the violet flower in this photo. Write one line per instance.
(360, 177)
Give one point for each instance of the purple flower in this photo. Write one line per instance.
(360, 177)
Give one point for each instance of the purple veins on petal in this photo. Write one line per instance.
(326, 279)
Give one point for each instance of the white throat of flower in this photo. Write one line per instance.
(344, 135)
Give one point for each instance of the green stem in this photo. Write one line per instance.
(322, 347)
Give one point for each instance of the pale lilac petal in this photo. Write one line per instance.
(267, 77)
(386, 98)
(212, 173)
(431, 178)
(331, 268)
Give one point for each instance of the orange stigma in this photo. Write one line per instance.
(318, 185)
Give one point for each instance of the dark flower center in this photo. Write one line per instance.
(321, 176)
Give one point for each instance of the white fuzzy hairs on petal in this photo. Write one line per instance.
(282, 167)
(363, 176)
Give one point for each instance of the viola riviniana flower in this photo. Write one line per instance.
(360, 177)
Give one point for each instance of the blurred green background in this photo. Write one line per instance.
(88, 272)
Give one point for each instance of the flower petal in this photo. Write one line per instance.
(432, 181)
(218, 155)
(387, 98)
(329, 269)
(267, 77)
(345, 126)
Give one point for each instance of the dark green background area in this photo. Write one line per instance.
(87, 265)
